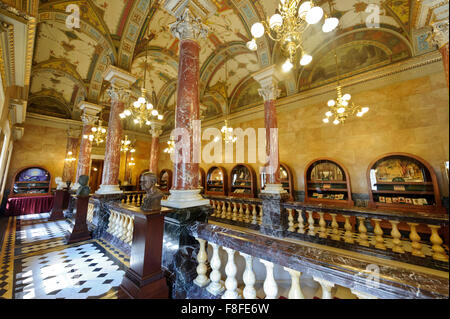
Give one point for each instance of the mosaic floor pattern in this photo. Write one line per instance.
(35, 263)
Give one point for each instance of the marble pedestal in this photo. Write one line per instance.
(185, 199)
(145, 279)
(60, 203)
(80, 231)
(274, 220)
(179, 259)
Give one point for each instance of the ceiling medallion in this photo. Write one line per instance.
(98, 134)
(287, 26)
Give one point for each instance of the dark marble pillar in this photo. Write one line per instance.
(179, 259)
(144, 279)
(80, 231)
(274, 220)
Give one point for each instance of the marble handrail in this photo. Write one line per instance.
(326, 266)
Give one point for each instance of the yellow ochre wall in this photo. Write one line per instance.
(411, 117)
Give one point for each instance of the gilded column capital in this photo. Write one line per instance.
(270, 92)
(440, 33)
(156, 129)
(118, 94)
(73, 132)
(90, 112)
(188, 27)
(268, 78)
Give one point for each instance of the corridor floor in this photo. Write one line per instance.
(35, 262)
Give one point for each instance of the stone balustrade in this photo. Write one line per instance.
(327, 268)
(133, 198)
(121, 226)
(413, 237)
(409, 236)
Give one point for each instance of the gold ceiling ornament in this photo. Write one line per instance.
(142, 110)
(98, 133)
(127, 145)
(287, 25)
(341, 108)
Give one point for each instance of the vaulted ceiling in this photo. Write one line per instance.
(68, 63)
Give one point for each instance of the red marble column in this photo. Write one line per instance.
(89, 117)
(271, 123)
(445, 57)
(154, 151)
(70, 166)
(185, 190)
(119, 93)
(268, 80)
(185, 175)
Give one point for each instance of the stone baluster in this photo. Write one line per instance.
(111, 222)
(124, 228)
(363, 232)
(249, 278)
(213, 204)
(260, 215)
(235, 216)
(129, 239)
(216, 286)
(326, 287)
(254, 215)
(224, 211)
(378, 235)
(202, 280)
(295, 292)
(311, 228)
(348, 236)
(335, 228)
(396, 235)
(439, 251)
(231, 291)
(247, 213)
(241, 213)
(322, 225)
(116, 222)
(415, 241)
(301, 222)
(270, 285)
(291, 220)
(229, 214)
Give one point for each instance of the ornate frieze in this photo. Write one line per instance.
(188, 27)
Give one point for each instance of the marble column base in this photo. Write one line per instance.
(109, 189)
(274, 189)
(185, 199)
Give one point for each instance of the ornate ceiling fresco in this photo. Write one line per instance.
(68, 63)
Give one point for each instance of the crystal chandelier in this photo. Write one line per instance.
(287, 25)
(98, 133)
(170, 147)
(70, 157)
(127, 145)
(227, 134)
(341, 108)
(142, 111)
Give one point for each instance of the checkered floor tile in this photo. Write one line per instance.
(74, 273)
(35, 263)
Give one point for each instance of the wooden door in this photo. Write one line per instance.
(95, 179)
